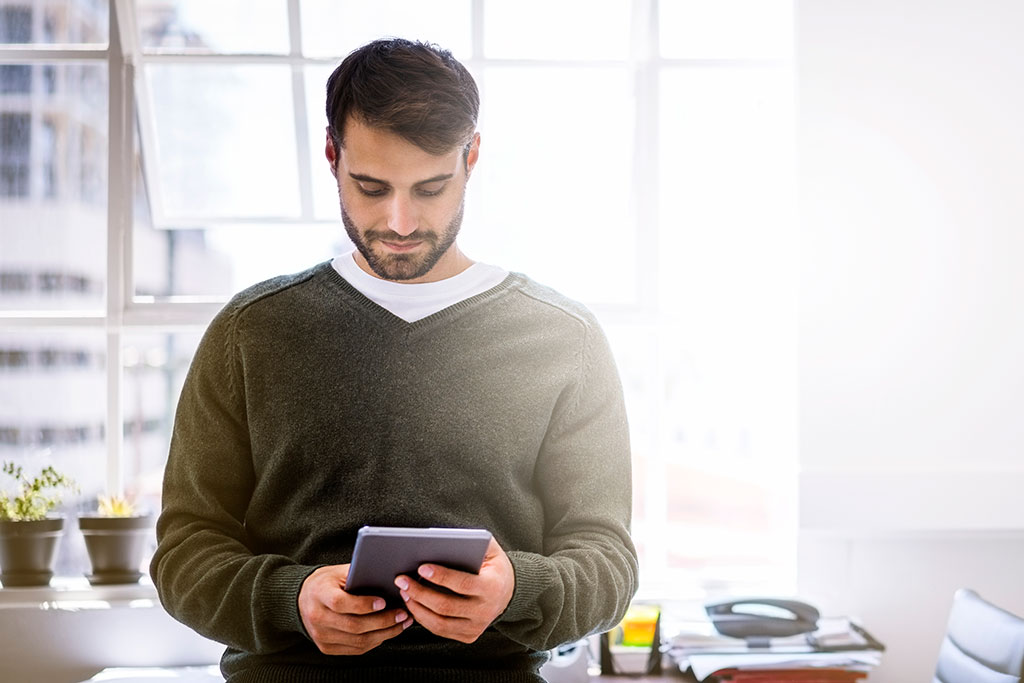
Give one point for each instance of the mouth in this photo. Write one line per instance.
(400, 247)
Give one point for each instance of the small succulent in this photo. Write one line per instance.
(34, 497)
(115, 506)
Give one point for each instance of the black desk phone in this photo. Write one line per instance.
(759, 619)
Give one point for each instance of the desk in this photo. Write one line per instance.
(674, 676)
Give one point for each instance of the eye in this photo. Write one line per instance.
(372, 190)
(430, 190)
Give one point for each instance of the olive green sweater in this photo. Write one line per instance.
(310, 411)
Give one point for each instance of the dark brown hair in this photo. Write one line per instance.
(415, 90)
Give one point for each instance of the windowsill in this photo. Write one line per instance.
(76, 593)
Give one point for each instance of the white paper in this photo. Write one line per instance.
(694, 635)
(704, 665)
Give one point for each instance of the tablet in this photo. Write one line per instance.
(384, 552)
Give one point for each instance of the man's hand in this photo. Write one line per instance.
(341, 623)
(475, 601)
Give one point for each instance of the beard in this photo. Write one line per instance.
(402, 266)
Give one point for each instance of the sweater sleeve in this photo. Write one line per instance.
(205, 574)
(586, 576)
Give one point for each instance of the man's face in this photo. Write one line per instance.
(401, 206)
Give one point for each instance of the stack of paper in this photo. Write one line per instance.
(818, 667)
(838, 633)
(790, 675)
(839, 650)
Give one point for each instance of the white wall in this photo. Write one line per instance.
(912, 313)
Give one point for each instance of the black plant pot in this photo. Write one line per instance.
(115, 546)
(28, 551)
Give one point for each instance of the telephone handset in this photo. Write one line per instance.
(759, 619)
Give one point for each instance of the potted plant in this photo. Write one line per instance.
(115, 538)
(28, 535)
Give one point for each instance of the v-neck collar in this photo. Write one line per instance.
(385, 318)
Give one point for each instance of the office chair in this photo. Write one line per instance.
(983, 644)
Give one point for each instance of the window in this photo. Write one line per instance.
(15, 78)
(670, 127)
(14, 151)
(15, 24)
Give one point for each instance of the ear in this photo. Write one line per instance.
(473, 154)
(332, 158)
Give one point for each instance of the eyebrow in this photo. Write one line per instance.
(370, 179)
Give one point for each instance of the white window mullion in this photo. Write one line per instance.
(644, 64)
(643, 58)
(477, 28)
(119, 224)
(149, 152)
(302, 132)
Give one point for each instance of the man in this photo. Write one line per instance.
(399, 385)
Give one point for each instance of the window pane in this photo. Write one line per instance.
(15, 78)
(55, 21)
(154, 365)
(224, 26)
(726, 29)
(635, 347)
(221, 261)
(52, 412)
(325, 188)
(727, 188)
(53, 186)
(226, 140)
(333, 28)
(550, 195)
(569, 29)
(727, 271)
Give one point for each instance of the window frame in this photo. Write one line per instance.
(130, 114)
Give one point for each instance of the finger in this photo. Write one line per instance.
(359, 624)
(454, 580)
(429, 618)
(440, 602)
(342, 643)
(456, 628)
(346, 603)
(493, 550)
(351, 603)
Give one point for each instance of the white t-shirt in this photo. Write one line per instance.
(412, 302)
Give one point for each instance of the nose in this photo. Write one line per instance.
(402, 218)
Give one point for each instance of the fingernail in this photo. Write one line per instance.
(407, 624)
(405, 596)
(426, 571)
(402, 582)
(400, 617)
(378, 604)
